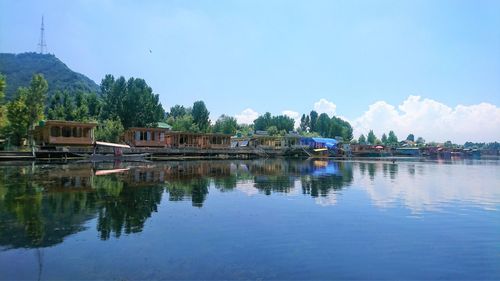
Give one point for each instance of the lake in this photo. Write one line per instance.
(261, 219)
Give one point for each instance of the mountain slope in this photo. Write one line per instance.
(19, 68)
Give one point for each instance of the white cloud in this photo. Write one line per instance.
(432, 120)
(294, 115)
(325, 106)
(246, 116)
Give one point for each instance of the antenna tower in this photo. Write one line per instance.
(42, 45)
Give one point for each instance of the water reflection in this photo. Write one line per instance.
(41, 205)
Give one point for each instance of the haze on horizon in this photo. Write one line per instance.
(430, 68)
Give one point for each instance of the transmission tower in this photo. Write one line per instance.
(42, 45)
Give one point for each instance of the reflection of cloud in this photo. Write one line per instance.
(247, 187)
(329, 200)
(436, 187)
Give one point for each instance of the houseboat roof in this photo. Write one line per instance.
(67, 123)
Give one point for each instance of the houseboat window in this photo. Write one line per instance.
(86, 132)
(66, 132)
(148, 135)
(74, 133)
(137, 135)
(162, 137)
(55, 131)
(78, 132)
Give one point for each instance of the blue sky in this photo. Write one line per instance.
(276, 55)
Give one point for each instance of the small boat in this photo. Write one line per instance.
(117, 156)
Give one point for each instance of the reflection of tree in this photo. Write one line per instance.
(126, 210)
(269, 184)
(45, 204)
(196, 189)
(322, 184)
(34, 218)
(226, 183)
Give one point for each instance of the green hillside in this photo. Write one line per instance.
(19, 68)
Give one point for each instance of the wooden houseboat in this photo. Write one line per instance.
(160, 137)
(55, 132)
(145, 137)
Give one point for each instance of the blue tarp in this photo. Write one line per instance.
(330, 143)
(325, 142)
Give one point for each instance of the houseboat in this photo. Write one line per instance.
(52, 133)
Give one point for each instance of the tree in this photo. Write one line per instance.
(420, 141)
(273, 131)
(323, 125)
(177, 111)
(226, 125)
(392, 139)
(18, 116)
(362, 139)
(262, 122)
(448, 144)
(371, 137)
(109, 130)
(133, 102)
(3, 109)
(201, 115)
(410, 137)
(184, 123)
(303, 124)
(384, 139)
(35, 101)
(313, 119)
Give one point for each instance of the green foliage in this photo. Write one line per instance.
(281, 122)
(3, 108)
(371, 137)
(362, 139)
(304, 123)
(201, 116)
(273, 131)
(225, 124)
(384, 139)
(35, 101)
(244, 129)
(18, 117)
(109, 130)
(420, 140)
(177, 111)
(79, 107)
(184, 123)
(410, 137)
(19, 70)
(132, 102)
(3, 85)
(313, 119)
(392, 139)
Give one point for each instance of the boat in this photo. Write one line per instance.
(117, 156)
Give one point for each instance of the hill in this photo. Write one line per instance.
(19, 68)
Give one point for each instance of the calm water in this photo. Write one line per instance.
(266, 219)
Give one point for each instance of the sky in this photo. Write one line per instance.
(431, 68)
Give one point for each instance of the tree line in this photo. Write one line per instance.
(125, 103)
